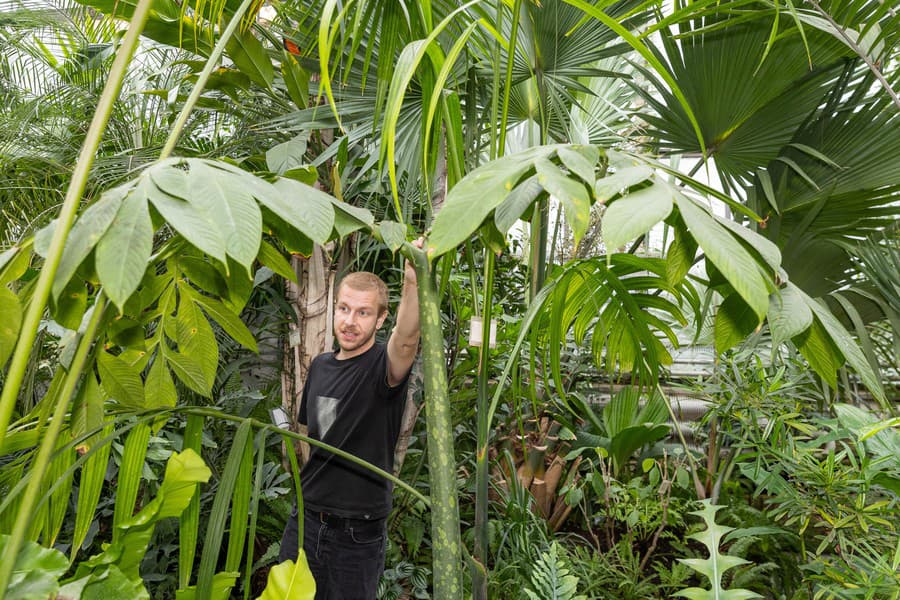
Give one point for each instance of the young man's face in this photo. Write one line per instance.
(356, 319)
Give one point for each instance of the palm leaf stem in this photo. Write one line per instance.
(859, 51)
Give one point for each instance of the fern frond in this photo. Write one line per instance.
(550, 578)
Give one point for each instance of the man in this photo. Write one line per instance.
(353, 399)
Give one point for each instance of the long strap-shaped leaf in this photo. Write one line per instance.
(39, 467)
(190, 519)
(129, 479)
(215, 529)
(89, 487)
(254, 505)
(240, 506)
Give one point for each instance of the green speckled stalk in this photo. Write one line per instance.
(441, 456)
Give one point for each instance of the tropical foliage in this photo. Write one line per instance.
(157, 175)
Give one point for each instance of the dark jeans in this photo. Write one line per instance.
(346, 556)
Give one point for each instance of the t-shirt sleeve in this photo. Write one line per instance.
(301, 412)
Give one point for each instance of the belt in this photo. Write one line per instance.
(334, 520)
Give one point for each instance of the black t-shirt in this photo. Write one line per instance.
(348, 404)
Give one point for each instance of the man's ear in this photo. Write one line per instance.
(381, 319)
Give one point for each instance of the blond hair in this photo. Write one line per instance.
(364, 281)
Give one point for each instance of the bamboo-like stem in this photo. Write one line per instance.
(446, 545)
(48, 445)
(479, 592)
(507, 88)
(67, 213)
(194, 96)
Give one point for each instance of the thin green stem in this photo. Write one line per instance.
(507, 88)
(30, 323)
(479, 592)
(48, 445)
(194, 96)
(695, 467)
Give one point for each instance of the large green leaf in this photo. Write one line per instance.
(517, 203)
(184, 471)
(393, 234)
(196, 339)
(471, 200)
(250, 57)
(36, 571)
(848, 347)
(238, 215)
(10, 324)
(296, 80)
(287, 155)
(90, 486)
(218, 513)
(104, 584)
(121, 381)
(634, 214)
(125, 248)
(727, 254)
(85, 234)
(302, 206)
(160, 392)
(621, 179)
(227, 319)
(349, 218)
(788, 314)
(571, 192)
(290, 581)
(220, 588)
(167, 191)
(820, 352)
(735, 320)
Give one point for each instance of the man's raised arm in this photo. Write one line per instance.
(404, 341)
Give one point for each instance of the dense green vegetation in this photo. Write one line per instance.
(171, 173)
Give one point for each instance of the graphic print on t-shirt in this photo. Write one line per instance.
(326, 412)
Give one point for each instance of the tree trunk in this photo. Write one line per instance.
(309, 335)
